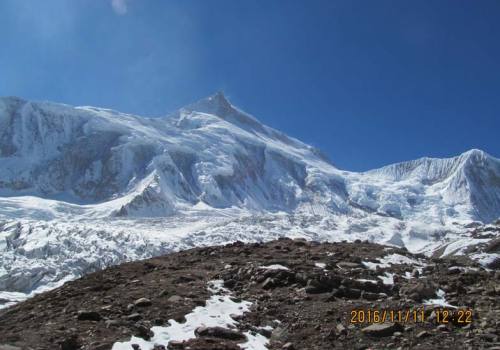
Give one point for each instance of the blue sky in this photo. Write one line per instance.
(368, 82)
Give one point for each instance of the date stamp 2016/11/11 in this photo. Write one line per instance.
(441, 315)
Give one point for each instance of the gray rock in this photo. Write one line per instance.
(341, 329)
(382, 329)
(175, 299)
(143, 302)
(112, 323)
(88, 316)
(423, 334)
(349, 293)
(279, 334)
(219, 332)
(419, 290)
(370, 296)
(348, 265)
(442, 328)
(268, 283)
(134, 317)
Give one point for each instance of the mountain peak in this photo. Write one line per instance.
(220, 99)
(475, 154)
(218, 105)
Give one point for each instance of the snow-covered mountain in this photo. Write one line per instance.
(208, 152)
(82, 188)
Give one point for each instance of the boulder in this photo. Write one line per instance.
(419, 290)
(88, 316)
(219, 332)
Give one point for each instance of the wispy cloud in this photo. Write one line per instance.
(119, 6)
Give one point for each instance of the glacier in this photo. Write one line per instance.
(83, 188)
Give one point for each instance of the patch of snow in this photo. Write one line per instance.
(440, 300)
(366, 280)
(485, 258)
(11, 298)
(320, 265)
(459, 246)
(274, 267)
(394, 259)
(255, 341)
(387, 278)
(373, 266)
(399, 259)
(216, 313)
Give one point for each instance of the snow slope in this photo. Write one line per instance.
(82, 188)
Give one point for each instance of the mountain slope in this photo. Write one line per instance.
(472, 179)
(89, 155)
(277, 293)
(82, 188)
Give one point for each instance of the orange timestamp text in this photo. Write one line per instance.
(419, 315)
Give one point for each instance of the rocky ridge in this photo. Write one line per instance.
(302, 294)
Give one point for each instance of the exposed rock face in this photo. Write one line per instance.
(308, 305)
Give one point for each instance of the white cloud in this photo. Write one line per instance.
(119, 6)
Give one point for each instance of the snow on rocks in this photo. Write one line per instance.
(440, 300)
(215, 319)
(394, 259)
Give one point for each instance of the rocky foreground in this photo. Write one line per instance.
(302, 296)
